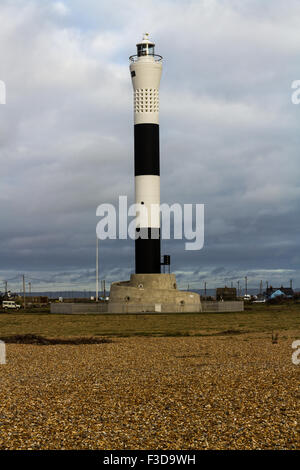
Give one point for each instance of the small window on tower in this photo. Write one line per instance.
(133, 73)
(151, 49)
(142, 49)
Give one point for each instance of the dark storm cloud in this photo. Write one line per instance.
(229, 134)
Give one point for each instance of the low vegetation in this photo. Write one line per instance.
(256, 318)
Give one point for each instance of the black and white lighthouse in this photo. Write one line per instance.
(148, 290)
(146, 69)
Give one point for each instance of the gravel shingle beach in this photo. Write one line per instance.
(221, 392)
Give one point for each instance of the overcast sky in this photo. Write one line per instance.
(229, 135)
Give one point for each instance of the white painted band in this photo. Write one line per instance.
(147, 194)
(146, 118)
(145, 75)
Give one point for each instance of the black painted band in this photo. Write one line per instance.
(147, 254)
(146, 233)
(146, 149)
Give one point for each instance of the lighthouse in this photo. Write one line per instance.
(148, 290)
(145, 70)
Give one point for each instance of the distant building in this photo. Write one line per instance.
(273, 292)
(226, 293)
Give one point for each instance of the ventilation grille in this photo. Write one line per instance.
(146, 100)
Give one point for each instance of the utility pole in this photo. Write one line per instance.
(29, 284)
(24, 291)
(97, 269)
(261, 287)
(6, 290)
(104, 290)
(238, 283)
(205, 289)
(291, 283)
(246, 285)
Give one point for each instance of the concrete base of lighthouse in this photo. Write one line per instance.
(151, 293)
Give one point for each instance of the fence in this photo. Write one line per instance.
(230, 306)
(127, 308)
